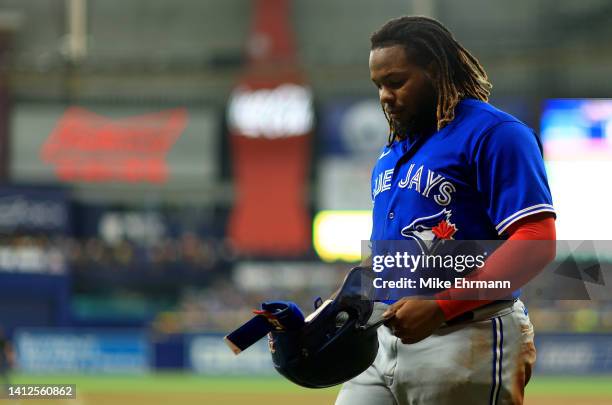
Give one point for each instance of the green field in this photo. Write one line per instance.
(181, 389)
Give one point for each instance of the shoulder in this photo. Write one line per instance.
(483, 114)
(486, 123)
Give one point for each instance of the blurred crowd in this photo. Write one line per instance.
(583, 316)
(95, 264)
(167, 264)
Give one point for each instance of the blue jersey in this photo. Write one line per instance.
(470, 180)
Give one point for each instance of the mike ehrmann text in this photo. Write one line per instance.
(437, 283)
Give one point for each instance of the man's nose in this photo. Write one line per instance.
(386, 96)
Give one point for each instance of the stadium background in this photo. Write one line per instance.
(167, 165)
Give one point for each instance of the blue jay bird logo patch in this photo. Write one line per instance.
(429, 231)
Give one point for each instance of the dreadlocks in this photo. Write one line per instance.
(426, 40)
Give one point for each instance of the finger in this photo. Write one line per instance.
(398, 304)
(393, 308)
(404, 338)
(391, 323)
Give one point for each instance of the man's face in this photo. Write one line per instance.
(405, 89)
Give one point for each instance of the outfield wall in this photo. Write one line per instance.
(137, 351)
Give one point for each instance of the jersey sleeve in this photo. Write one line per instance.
(510, 174)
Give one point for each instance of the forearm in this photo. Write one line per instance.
(518, 260)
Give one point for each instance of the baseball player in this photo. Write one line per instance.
(454, 167)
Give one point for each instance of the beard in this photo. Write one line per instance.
(423, 120)
(415, 125)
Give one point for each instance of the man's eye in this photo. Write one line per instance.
(396, 84)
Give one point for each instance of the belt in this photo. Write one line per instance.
(482, 313)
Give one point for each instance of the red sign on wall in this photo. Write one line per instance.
(88, 147)
(270, 117)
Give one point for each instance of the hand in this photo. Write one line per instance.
(413, 319)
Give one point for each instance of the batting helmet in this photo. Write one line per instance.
(336, 343)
